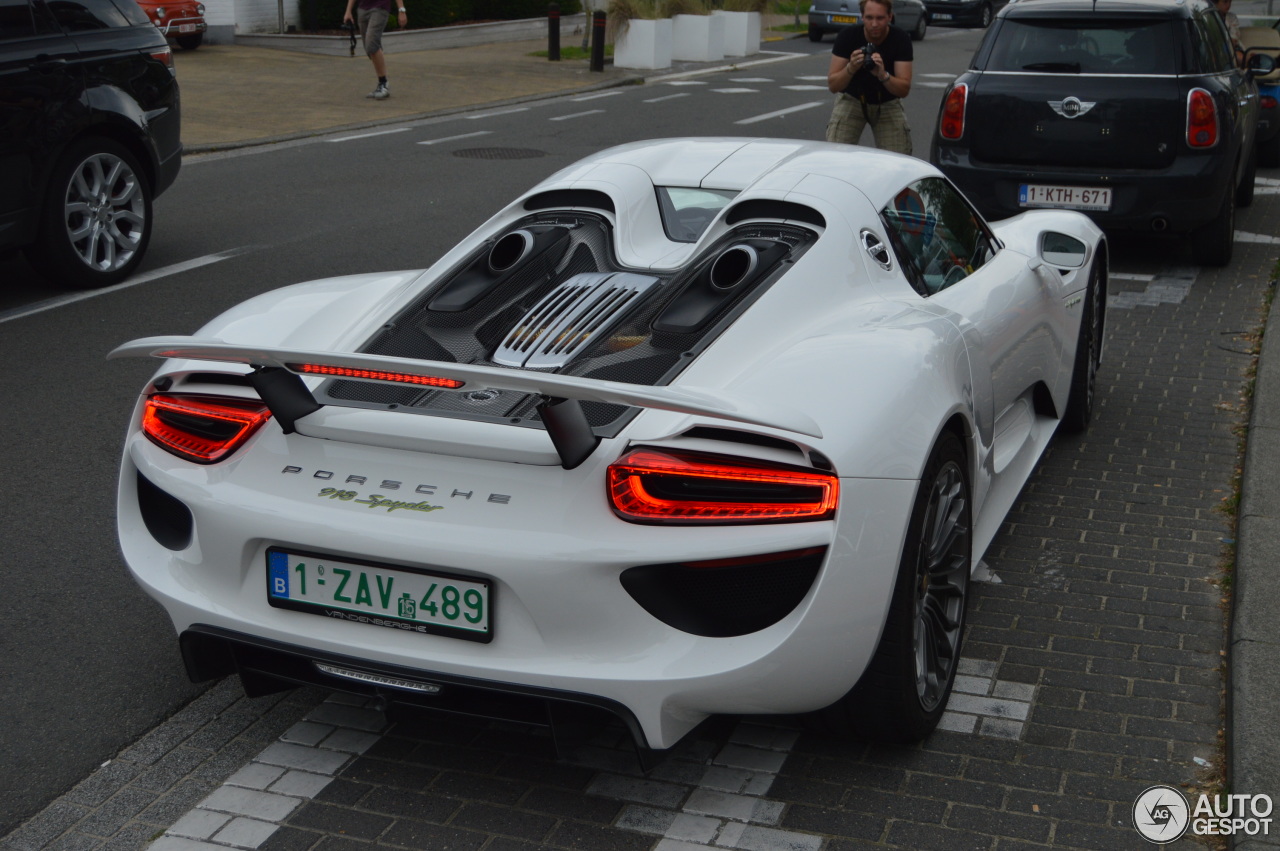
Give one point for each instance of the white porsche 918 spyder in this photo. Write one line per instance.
(694, 426)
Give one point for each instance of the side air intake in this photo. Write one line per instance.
(570, 317)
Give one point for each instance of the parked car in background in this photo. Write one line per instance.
(181, 21)
(1266, 40)
(831, 16)
(1132, 111)
(89, 135)
(968, 13)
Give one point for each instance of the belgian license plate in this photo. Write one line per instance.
(941, 16)
(411, 600)
(1065, 197)
(186, 28)
(844, 19)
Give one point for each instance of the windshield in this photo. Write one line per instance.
(1108, 46)
(687, 212)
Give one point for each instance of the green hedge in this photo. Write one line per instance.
(439, 13)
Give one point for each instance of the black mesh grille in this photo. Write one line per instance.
(724, 601)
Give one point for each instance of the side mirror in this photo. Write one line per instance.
(1259, 64)
(1062, 251)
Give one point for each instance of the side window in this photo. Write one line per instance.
(937, 237)
(15, 20)
(1212, 44)
(85, 15)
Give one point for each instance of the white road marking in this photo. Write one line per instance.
(685, 83)
(154, 274)
(735, 91)
(575, 115)
(456, 138)
(498, 112)
(1242, 236)
(368, 135)
(805, 88)
(1266, 181)
(596, 95)
(930, 85)
(668, 97)
(779, 113)
(817, 77)
(948, 76)
(751, 79)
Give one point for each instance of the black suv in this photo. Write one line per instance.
(1132, 111)
(89, 135)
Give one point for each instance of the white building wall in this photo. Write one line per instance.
(262, 16)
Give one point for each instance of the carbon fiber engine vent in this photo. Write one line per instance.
(570, 317)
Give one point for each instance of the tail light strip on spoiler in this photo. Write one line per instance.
(276, 377)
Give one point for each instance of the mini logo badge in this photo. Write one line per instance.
(1071, 107)
(1161, 814)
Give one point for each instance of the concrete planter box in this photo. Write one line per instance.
(436, 38)
(697, 38)
(644, 44)
(741, 32)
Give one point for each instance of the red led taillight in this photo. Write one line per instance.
(203, 429)
(951, 124)
(403, 377)
(671, 486)
(1267, 101)
(1202, 120)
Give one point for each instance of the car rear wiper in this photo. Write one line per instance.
(1063, 67)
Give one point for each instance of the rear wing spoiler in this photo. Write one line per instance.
(277, 378)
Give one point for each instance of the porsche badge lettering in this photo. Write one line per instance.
(380, 501)
(377, 500)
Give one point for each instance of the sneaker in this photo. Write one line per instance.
(379, 93)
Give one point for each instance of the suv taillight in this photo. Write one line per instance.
(951, 124)
(203, 429)
(650, 485)
(163, 55)
(1202, 119)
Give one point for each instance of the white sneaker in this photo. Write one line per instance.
(379, 93)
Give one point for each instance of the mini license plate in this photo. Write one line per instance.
(844, 19)
(411, 600)
(941, 16)
(186, 28)
(1065, 197)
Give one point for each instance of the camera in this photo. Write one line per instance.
(869, 51)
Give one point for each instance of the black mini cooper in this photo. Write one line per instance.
(1132, 111)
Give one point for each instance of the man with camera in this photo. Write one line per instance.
(871, 72)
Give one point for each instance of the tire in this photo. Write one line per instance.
(922, 26)
(1084, 373)
(985, 14)
(1269, 152)
(190, 42)
(1244, 192)
(96, 220)
(1212, 244)
(815, 34)
(905, 688)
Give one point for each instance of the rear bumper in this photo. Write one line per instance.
(955, 13)
(1180, 198)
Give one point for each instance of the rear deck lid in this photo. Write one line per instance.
(1094, 92)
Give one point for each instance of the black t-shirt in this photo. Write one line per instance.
(896, 48)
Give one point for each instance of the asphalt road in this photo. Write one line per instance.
(88, 663)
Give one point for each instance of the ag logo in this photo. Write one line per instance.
(1161, 814)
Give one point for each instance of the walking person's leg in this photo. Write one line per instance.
(372, 23)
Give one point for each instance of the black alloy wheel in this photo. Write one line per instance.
(1212, 244)
(902, 694)
(1084, 373)
(985, 14)
(922, 26)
